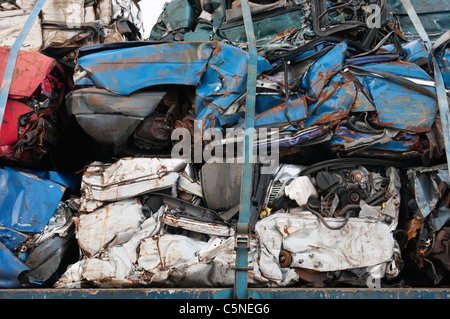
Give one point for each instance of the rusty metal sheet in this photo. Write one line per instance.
(218, 71)
(11, 268)
(402, 108)
(210, 229)
(30, 70)
(129, 177)
(27, 201)
(318, 75)
(124, 71)
(96, 230)
(403, 142)
(334, 102)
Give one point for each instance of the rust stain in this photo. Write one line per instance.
(283, 34)
(411, 228)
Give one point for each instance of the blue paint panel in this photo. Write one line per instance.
(68, 180)
(265, 102)
(400, 68)
(11, 238)
(124, 71)
(85, 82)
(306, 135)
(362, 103)
(316, 77)
(224, 80)
(343, 135)
(400, 107)
(27, 202)
(229, 120)
(219, 71)
(414, 50)
(296, 109)
(10, 268)
(334, 103)
(371, 59)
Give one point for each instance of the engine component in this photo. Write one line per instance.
(154, 132)
(285, 258)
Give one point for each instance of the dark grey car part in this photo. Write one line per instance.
(45, 259)
(110, 119)
(221, 185)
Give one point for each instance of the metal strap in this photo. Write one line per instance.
(14, 52)
(440, 86)
(242, 231)
(416, 22)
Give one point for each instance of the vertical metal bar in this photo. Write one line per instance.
(416, 22)
(9, 72)
(440, 87)
(242, 231)
(443, 107)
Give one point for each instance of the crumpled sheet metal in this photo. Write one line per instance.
(443, 59)
(433, 17)
(217, 70)
(65, 26)
(146, 255)
(429, 186)
(129, 177)
(123, 248)
(59, 10)
(10, 126)
(99, 228)
(36, 94)
(348, 139)
(334, 92)
(427, 228)
(362, 243)
(124, 71)
(29, 216)
(27, 202)
(393, 101)
(183, 20)
(11, 268)
(63, 12)
(381, 89)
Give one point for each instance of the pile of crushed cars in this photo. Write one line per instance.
(92, 196)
